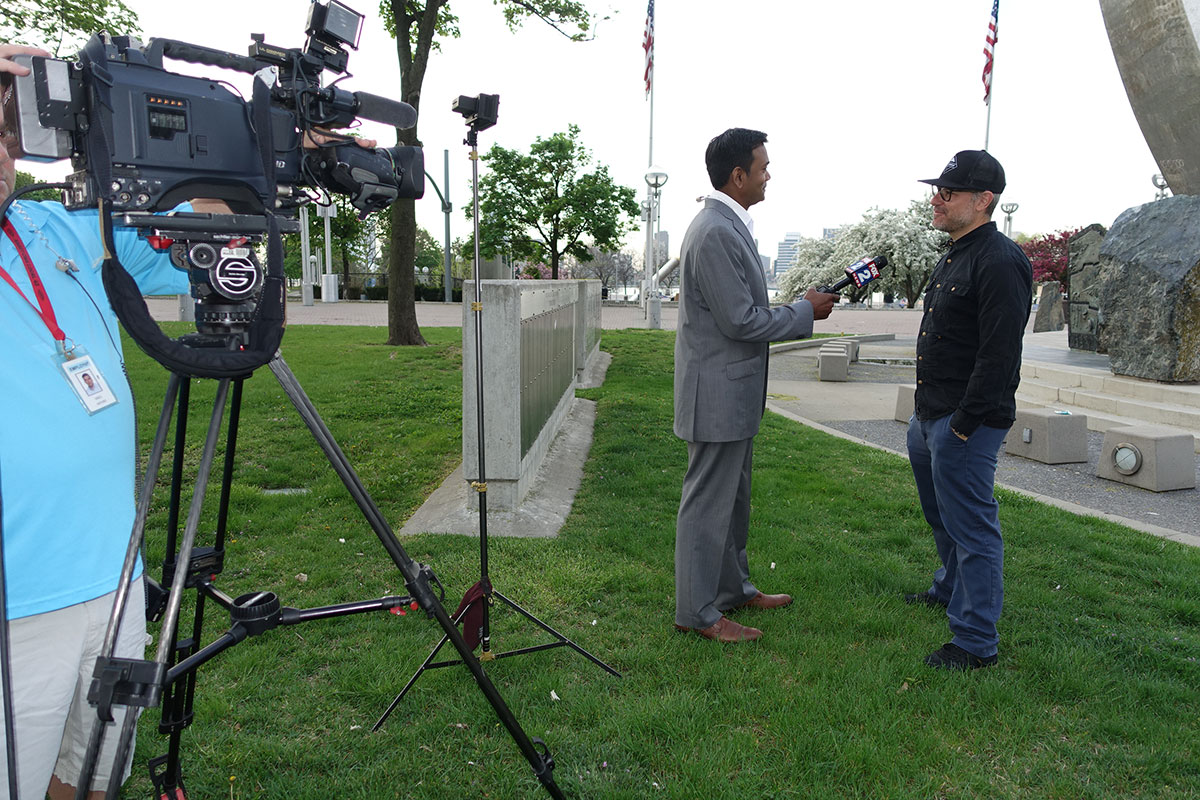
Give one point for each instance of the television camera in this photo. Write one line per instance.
(143, 139)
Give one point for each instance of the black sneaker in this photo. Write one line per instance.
(951, 656)
(925, 599)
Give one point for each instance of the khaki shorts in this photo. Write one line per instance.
(52, 659)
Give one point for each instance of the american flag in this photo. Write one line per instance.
(648, 46)
(989, 49)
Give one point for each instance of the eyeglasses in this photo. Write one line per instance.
(947, 194)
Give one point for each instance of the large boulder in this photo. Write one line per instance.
(1083, 269)
(1150, 291)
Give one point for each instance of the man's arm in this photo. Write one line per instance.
(721, 273)
(1003, 297)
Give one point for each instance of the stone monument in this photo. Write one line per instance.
(1150, 291)
(1049, 315)
(1083, 270)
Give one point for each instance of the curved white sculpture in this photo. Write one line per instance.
(1154, 42)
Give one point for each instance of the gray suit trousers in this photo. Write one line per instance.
(711, 571)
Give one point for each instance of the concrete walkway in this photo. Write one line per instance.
(863, 410)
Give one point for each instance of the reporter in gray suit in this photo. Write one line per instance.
(725, 327)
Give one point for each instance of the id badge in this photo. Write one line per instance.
(85, 380)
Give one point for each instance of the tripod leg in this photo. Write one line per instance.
(563, 639)
(411, 681)
(135, 542)
(179, 696)
(420, 670)
(171, 616)
(418, 583)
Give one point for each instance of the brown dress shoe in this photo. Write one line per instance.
(725, 630)
(766, 601)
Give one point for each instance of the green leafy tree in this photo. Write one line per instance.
(430, 257)
(63, 27)
(24, 179)
(416, 26)
(544, 205)
(354, 241)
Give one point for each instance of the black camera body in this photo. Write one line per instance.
(143, 139)
(147, 139)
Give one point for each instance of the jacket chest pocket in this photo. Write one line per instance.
(950, 305)
(949, 296)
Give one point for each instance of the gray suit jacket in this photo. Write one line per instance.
(725, 327)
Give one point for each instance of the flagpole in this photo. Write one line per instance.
(650, 159)
(648, 257)
(650, 307)
(987, 131)
(989, 69)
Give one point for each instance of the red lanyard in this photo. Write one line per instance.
(43, 309)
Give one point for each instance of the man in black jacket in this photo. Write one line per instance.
(968, 368)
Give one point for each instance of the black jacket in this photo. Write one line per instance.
(969, 348)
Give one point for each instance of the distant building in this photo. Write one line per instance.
(785, 257)
(830, 233)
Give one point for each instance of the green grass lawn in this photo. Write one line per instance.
(1097, 693)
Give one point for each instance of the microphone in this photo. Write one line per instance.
(381, 109)
(860, 273)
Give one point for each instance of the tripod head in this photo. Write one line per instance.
(217, 252)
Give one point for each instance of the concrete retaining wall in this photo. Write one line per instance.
(537, 339)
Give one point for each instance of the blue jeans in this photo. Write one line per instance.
(956, 482)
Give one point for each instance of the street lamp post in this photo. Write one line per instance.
(656, 178)
(1009, 209)
(446, 209)
(1160, 183)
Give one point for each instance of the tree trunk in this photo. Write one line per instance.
(402, 309)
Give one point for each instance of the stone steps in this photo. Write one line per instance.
(1110, 400)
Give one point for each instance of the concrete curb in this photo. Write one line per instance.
(544, 509)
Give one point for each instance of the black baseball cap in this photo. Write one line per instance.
(973, 170)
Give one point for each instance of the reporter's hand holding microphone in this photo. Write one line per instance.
(860, 273)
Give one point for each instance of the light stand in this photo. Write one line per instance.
(481, 114)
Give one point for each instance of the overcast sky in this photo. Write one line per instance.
(859, 98)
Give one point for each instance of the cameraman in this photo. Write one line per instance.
(67, 510)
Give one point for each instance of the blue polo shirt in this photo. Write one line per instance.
(66, 477)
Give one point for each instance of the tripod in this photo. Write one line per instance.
(171, 676)
(481, 113)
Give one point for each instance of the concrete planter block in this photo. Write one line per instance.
(905, 402)
(833, 363)
(851, 347)
(1149, 457)
(1042, 434)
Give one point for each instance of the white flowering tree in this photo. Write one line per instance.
(907, 238)
(813, 267)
